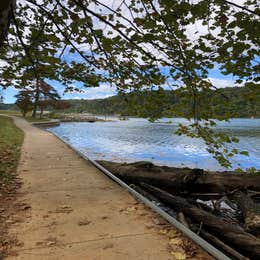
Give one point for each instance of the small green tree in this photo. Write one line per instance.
(24, 101)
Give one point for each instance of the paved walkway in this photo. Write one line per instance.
(75, 212)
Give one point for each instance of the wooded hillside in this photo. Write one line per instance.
(227, 102)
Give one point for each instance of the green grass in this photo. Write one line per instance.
(11, 139)
(28, 118)
(11, 112)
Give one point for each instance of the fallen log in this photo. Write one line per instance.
(250, 211)
(218, 243)
(144, 193)
(183, 180)
(242, 241)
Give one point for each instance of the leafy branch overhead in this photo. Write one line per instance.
(137, 45)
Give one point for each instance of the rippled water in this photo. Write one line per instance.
(138, 139)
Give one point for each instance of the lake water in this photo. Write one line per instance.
(139, 140)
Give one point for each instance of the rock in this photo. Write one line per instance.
(84, 222)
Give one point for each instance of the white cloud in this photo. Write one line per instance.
(3, 63)
(223, 83)
(102, 91)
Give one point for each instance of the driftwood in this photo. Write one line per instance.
(182, 219)
(179, 188)
(242, 241)
(206, 196)
(144, 193)
(218, 243)
(250, 211)
(183, 180)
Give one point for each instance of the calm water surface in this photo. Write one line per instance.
(138, 139)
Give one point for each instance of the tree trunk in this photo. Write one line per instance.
(183, 180)
(242, 241)
(41, 112)
(34, 108)
(250, 211)
(36, 98)
(5, 17)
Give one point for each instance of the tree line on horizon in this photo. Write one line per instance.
(230, 102)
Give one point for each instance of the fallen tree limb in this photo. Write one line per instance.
(182, 219)
(144, 193)
(218, 243)
(206, 196)
(183, 180)
(242, 241)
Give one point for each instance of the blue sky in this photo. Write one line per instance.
(106, 90)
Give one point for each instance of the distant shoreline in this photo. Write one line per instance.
(92, 115)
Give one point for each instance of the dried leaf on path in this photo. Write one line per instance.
(179, 255)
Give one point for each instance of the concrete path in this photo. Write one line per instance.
(75, 212)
